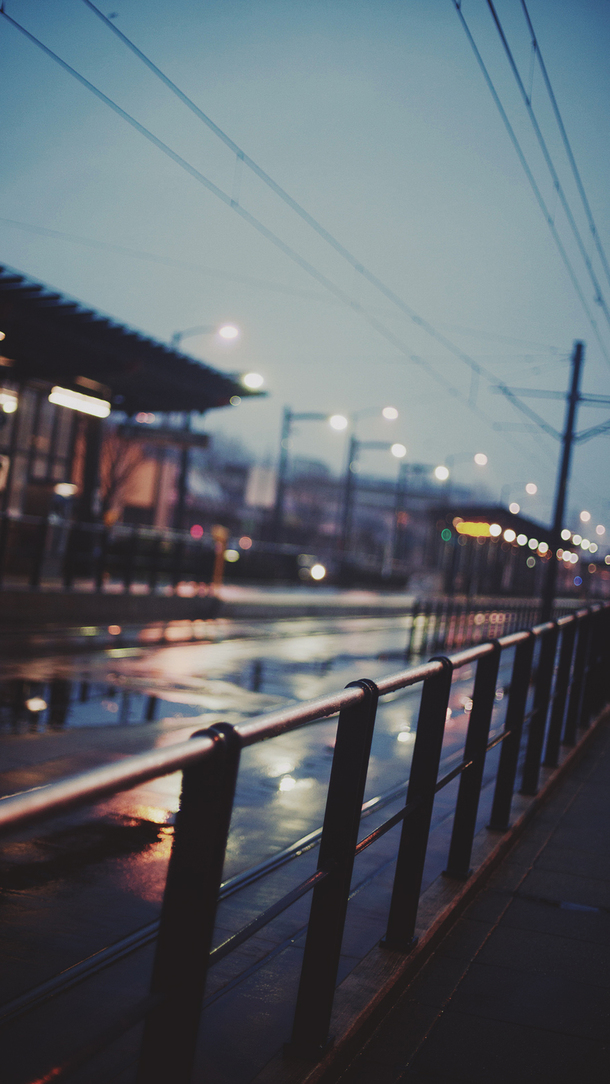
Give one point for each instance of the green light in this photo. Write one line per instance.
(446, 534)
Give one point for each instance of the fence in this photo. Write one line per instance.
(559, 682)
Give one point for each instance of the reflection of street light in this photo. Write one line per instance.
(226, 331)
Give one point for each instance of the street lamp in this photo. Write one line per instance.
(444, 471)
(399, 451)
(336, 422)
(226, 331)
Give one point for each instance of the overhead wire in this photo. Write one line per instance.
(532, 181)
(269, 235)
(251, 219)
(325, 234)
(567, 145)
(599, 298)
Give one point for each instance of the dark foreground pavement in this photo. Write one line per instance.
(519, 991)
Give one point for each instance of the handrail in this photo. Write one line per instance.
(209, 763)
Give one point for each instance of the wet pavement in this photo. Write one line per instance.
(89, 879)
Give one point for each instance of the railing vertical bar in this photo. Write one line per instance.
(310, 1032)
(540, 711)
(188, 912)
(414, 835)
(509, 753)
(464, 822)
(574, 701)
(562, 684)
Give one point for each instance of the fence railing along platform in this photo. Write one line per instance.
(560, 681)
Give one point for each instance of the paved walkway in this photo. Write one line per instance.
(519, 991)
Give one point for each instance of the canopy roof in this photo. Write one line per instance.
(54, 338)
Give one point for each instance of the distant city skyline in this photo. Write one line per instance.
(375, 117)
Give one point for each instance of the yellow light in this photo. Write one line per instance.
(509, 534)
(584, 545)
(576, 539)
(514, 508)
(480, 459)
(593, 548)
(543, 548)
(495, 530)
(338, 422)
(235, 400)
(228, 331)
(441, 473)
(65, 489)
(533, 543)
(531, 488)
(474, 530)
(231, 556)
(566, 535)
(317, 572)
(390, 413)
(607, 559)
(75, 400)
(252, 381)
(2, 335)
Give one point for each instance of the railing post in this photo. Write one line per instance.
(416, 827)
(509, 754)
(411, 640)
(562, 684)
(188, 912)
(540, 711)
(574, 701)
(464, 822)
(590, 691)
(330, 897)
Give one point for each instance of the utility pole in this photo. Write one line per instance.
(280, 486)
(567, 441)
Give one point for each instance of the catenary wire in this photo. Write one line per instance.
(537, 193)
(567, 145)
(251, 219)
(599, 298)
(358, 266)
(309, 268)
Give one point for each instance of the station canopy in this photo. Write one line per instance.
(53, 338)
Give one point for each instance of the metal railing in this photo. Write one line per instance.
(560, 680)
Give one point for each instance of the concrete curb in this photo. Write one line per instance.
(376, 983)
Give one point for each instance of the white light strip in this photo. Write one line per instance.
(75, 400)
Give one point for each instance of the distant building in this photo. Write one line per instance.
(63, 369)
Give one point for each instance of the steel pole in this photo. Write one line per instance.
(567, 440)
(277, 522)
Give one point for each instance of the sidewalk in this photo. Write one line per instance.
(520, 988)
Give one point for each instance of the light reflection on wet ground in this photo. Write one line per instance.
(93, 877)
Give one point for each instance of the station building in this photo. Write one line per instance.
(65, 368)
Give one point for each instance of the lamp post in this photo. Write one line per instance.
(349, 485)
(336, 421)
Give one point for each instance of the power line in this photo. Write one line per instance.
(537, 193)
(356, 264)
(550, 165)
(251, 219)
(477, 369)
(566, 143)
